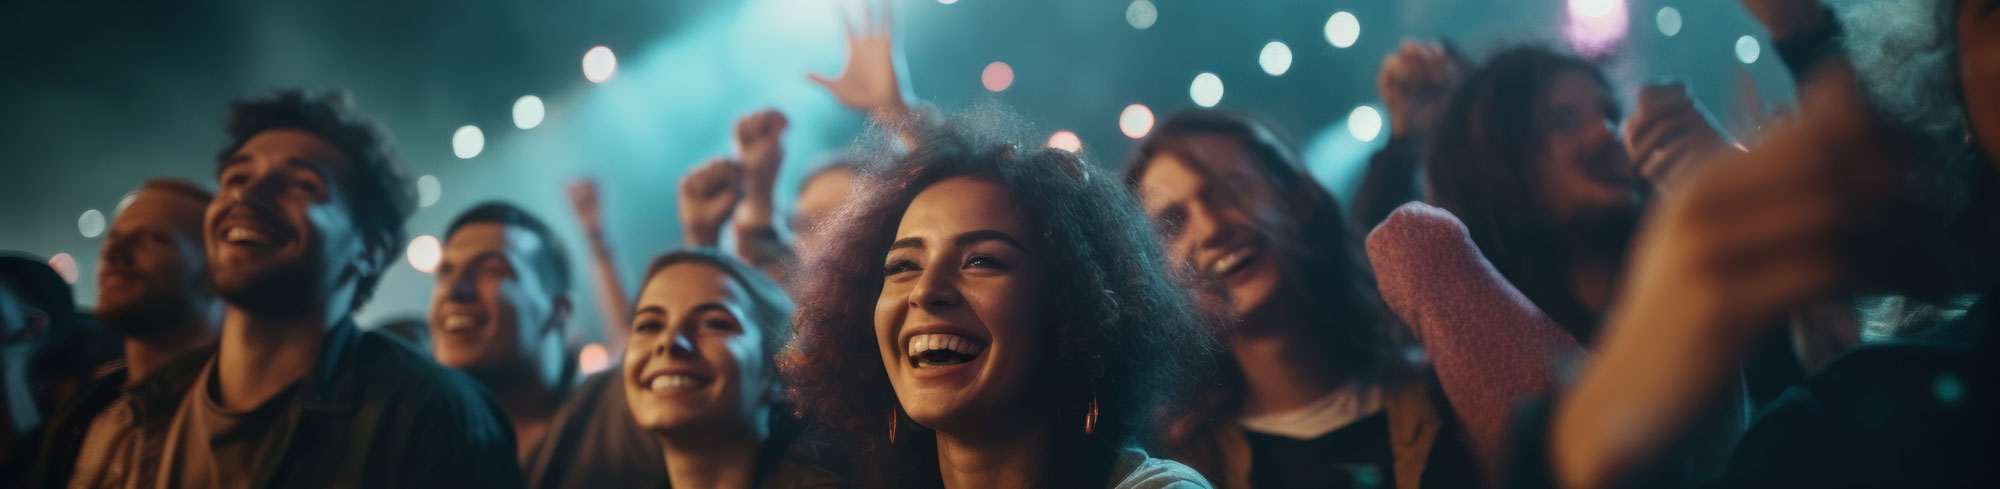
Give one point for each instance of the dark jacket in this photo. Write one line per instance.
(593, 442)
(1425, 445)
(375, 413)
(153, 402)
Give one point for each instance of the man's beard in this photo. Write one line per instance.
(149, 316)
(287, 290)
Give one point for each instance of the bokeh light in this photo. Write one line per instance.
(1276, 58)
(1206, 89)
(1595, 27)
(947, 2)
(1747, 49)
(1364, 123)
(467, 142)
(997, 76)
(1141, 14)
(1066, 141)
(65, 266)
(1669, 20)
(424, 253)
(1342, 29)
(599, 64)
(428, 190)
(1135, 121)
(91, 223)
(593, 359)
(528, 112)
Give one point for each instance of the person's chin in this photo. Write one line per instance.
(1252, 289)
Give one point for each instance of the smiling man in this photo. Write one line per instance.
(152, 288)
(500, 309)
(308, 215)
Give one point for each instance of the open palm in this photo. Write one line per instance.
(871, 81)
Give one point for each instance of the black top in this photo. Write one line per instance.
(1355, 456)
(1906, 415)
(593, 442)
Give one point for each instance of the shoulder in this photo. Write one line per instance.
(1136, 470)
(1417, 222)
(398, 374)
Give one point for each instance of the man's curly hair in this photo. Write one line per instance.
(1129, 333)
(376, 190)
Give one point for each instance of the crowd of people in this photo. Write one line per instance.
(1532, 289)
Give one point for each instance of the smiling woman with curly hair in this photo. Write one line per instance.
(984, 314)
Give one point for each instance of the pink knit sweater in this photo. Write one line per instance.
(1490, 347)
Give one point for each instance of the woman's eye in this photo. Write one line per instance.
(984, 262)
(647, 326)
(898, 266)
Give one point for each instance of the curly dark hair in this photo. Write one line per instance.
(770, 310)
(375, 187)
(1481, 167)
(551, 259)
(1128, 331)
(1362, 335)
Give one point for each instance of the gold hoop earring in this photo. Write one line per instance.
(892, 424)
(1090, 417)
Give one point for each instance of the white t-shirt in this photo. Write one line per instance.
(1341, 407)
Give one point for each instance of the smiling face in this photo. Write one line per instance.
(1582, 168)
(490, 308)
(278, 233)
(152, 269)
(1210, 219)
(695, 362)
(960, 324)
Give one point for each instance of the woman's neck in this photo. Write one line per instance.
(1282, 364)
(716, 459)
(1009, 459)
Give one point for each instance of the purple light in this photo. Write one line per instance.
(1595, 26)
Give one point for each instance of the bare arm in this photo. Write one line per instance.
(612, 304)
(762, 153)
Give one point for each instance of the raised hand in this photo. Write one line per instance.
(583, 202)
(758, 146)
(1669, 133)
(707, 196)
(1415, 83)
(871, 80)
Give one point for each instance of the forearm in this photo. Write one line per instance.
(1652, 378)
(612, 305)
(757, 239)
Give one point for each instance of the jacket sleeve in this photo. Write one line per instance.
(461, 443)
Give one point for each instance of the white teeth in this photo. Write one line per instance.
(665, 382)
(246, 235)
(457, 322)
(1227, 262)
(954, 343)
